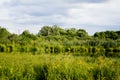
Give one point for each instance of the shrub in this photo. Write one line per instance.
(83, 49)
(2, 48)
(116, 49)
(23, 49)
(34, 50)
(67, 49)
(109, 49)
(47, 49)
(10, 48)
(73, 49)
(90, 49)
(51, 49)
(58, 49)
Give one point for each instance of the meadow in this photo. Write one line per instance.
(59, 54)
(58, 67)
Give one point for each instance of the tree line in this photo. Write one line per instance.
(54, 39)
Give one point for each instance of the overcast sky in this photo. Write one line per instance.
(91, 15)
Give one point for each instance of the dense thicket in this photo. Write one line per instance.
(54, 39)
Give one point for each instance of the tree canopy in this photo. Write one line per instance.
(54, 39)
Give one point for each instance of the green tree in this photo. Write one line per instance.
(50, 30)
(108, 35)
(111, 34)
(13, 38)
(26, 37)
(82, 33)
(55, 30)
(27, 34)
(45, 31)
(100, 35)
(71, 32)
(4, 35)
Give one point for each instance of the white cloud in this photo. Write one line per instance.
(4, 14)
(3, 1)
(96, 14)
(22, 14)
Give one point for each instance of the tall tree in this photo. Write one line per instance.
(72, 32)
(45, 31)
(82, 33)
(4, 33)
(55, 30)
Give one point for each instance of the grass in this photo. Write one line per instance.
(58, 67)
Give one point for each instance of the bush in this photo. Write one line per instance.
(47, 49)
(34, 50)
(23, 49)
(67, 49)
(83, 49)
(73, 49)
(51, 49)
(109, 49)
(2, 48)
(116, 49)
(10, 48)
(41, 50)
(90, 49)
(58, 49)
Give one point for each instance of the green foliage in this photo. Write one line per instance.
(22, 49)
(82, 33)
(47, 48)
(2, 48)
(48, 30)
(108, 44)
(58, 67)
(45, 31)
(13, 38)
(79, 56)
(57, 49)
(71, 32)
(108, 34)
(41, 71)
(4, 33)
(104, 73)
(10, 48)
(28, 35)
(53, 39)
(95, 42)
(34, 50)
(4, 36)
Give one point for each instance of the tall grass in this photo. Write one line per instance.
(58, 67)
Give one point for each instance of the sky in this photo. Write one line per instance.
(91, 15)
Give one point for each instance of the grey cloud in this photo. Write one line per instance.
(86, 1)
(36, 14)
(49, 12)
(35, 2)
(42, 7)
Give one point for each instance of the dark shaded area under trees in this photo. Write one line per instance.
(54, 40)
